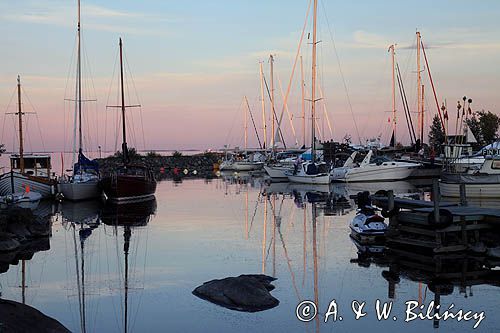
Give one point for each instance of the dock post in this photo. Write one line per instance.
(463, 195)
(436, 198)
(393, 221)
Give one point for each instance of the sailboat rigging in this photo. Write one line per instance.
(84, 183)
(29, 172)
(312, 172)
(129, 182)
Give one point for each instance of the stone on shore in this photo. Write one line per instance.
(17, 317)
(247, 293)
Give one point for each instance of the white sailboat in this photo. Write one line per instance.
(312, 172)
(84, 183)
(31, 171)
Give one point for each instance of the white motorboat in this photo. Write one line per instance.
(367, 225)
(27, 199)
(382, 169)
(340, 172)
(482, 183)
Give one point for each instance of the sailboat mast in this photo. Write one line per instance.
(264, 123)
(391, 48)
(419, 92)
(246, 124)
(313, 84)
(271, 61)
(20, 117)
(124, 144)
(79, 82)
(303, 86)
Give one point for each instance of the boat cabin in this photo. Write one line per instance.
(34, 165)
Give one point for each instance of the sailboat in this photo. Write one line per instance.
(84, 183)
(28, 171)
(312, 172)
(129, 182)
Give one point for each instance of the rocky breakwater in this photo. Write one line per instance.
(21, 235)
(168, 167)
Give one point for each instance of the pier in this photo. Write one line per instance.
(440, 227)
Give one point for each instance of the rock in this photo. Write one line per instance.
(7, 242)
(248, 293)
(17, 317)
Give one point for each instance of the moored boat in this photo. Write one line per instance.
(33, 170)
(129, 182)
(83, 184)
(482, 183)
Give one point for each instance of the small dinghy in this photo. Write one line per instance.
(367, 226)
(26, 199)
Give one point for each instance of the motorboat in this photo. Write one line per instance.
(367, 225)
(378, 169)
(481, 183)
(27, 199)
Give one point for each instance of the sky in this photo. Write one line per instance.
(190, 63)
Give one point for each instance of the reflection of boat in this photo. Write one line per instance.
(27, 169)
(129, 182)
(131, 214)
(128, 215)
(399, 187)
(86, 212)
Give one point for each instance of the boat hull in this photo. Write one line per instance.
(471, 190)
(12, 182)
(126, 188)
(277, 172)
(78, 191)
(310, 179)
(364, 174)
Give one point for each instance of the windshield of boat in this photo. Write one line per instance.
(380, 159)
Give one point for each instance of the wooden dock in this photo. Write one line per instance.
(440, 227)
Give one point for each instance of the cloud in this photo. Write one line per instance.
(94, 17)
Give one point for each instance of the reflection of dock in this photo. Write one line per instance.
(439, 226)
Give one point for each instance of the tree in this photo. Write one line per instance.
(436, 134)
(484, 125)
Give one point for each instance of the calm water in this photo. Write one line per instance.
(101, 276)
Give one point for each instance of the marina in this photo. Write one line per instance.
(249, 167)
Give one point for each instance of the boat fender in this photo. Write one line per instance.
(445, 219)
(390, 213)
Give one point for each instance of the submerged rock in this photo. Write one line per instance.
(248, 293)
(17, 317)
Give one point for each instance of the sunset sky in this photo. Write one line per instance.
(192, 62)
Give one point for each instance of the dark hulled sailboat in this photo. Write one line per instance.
(129, 182)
